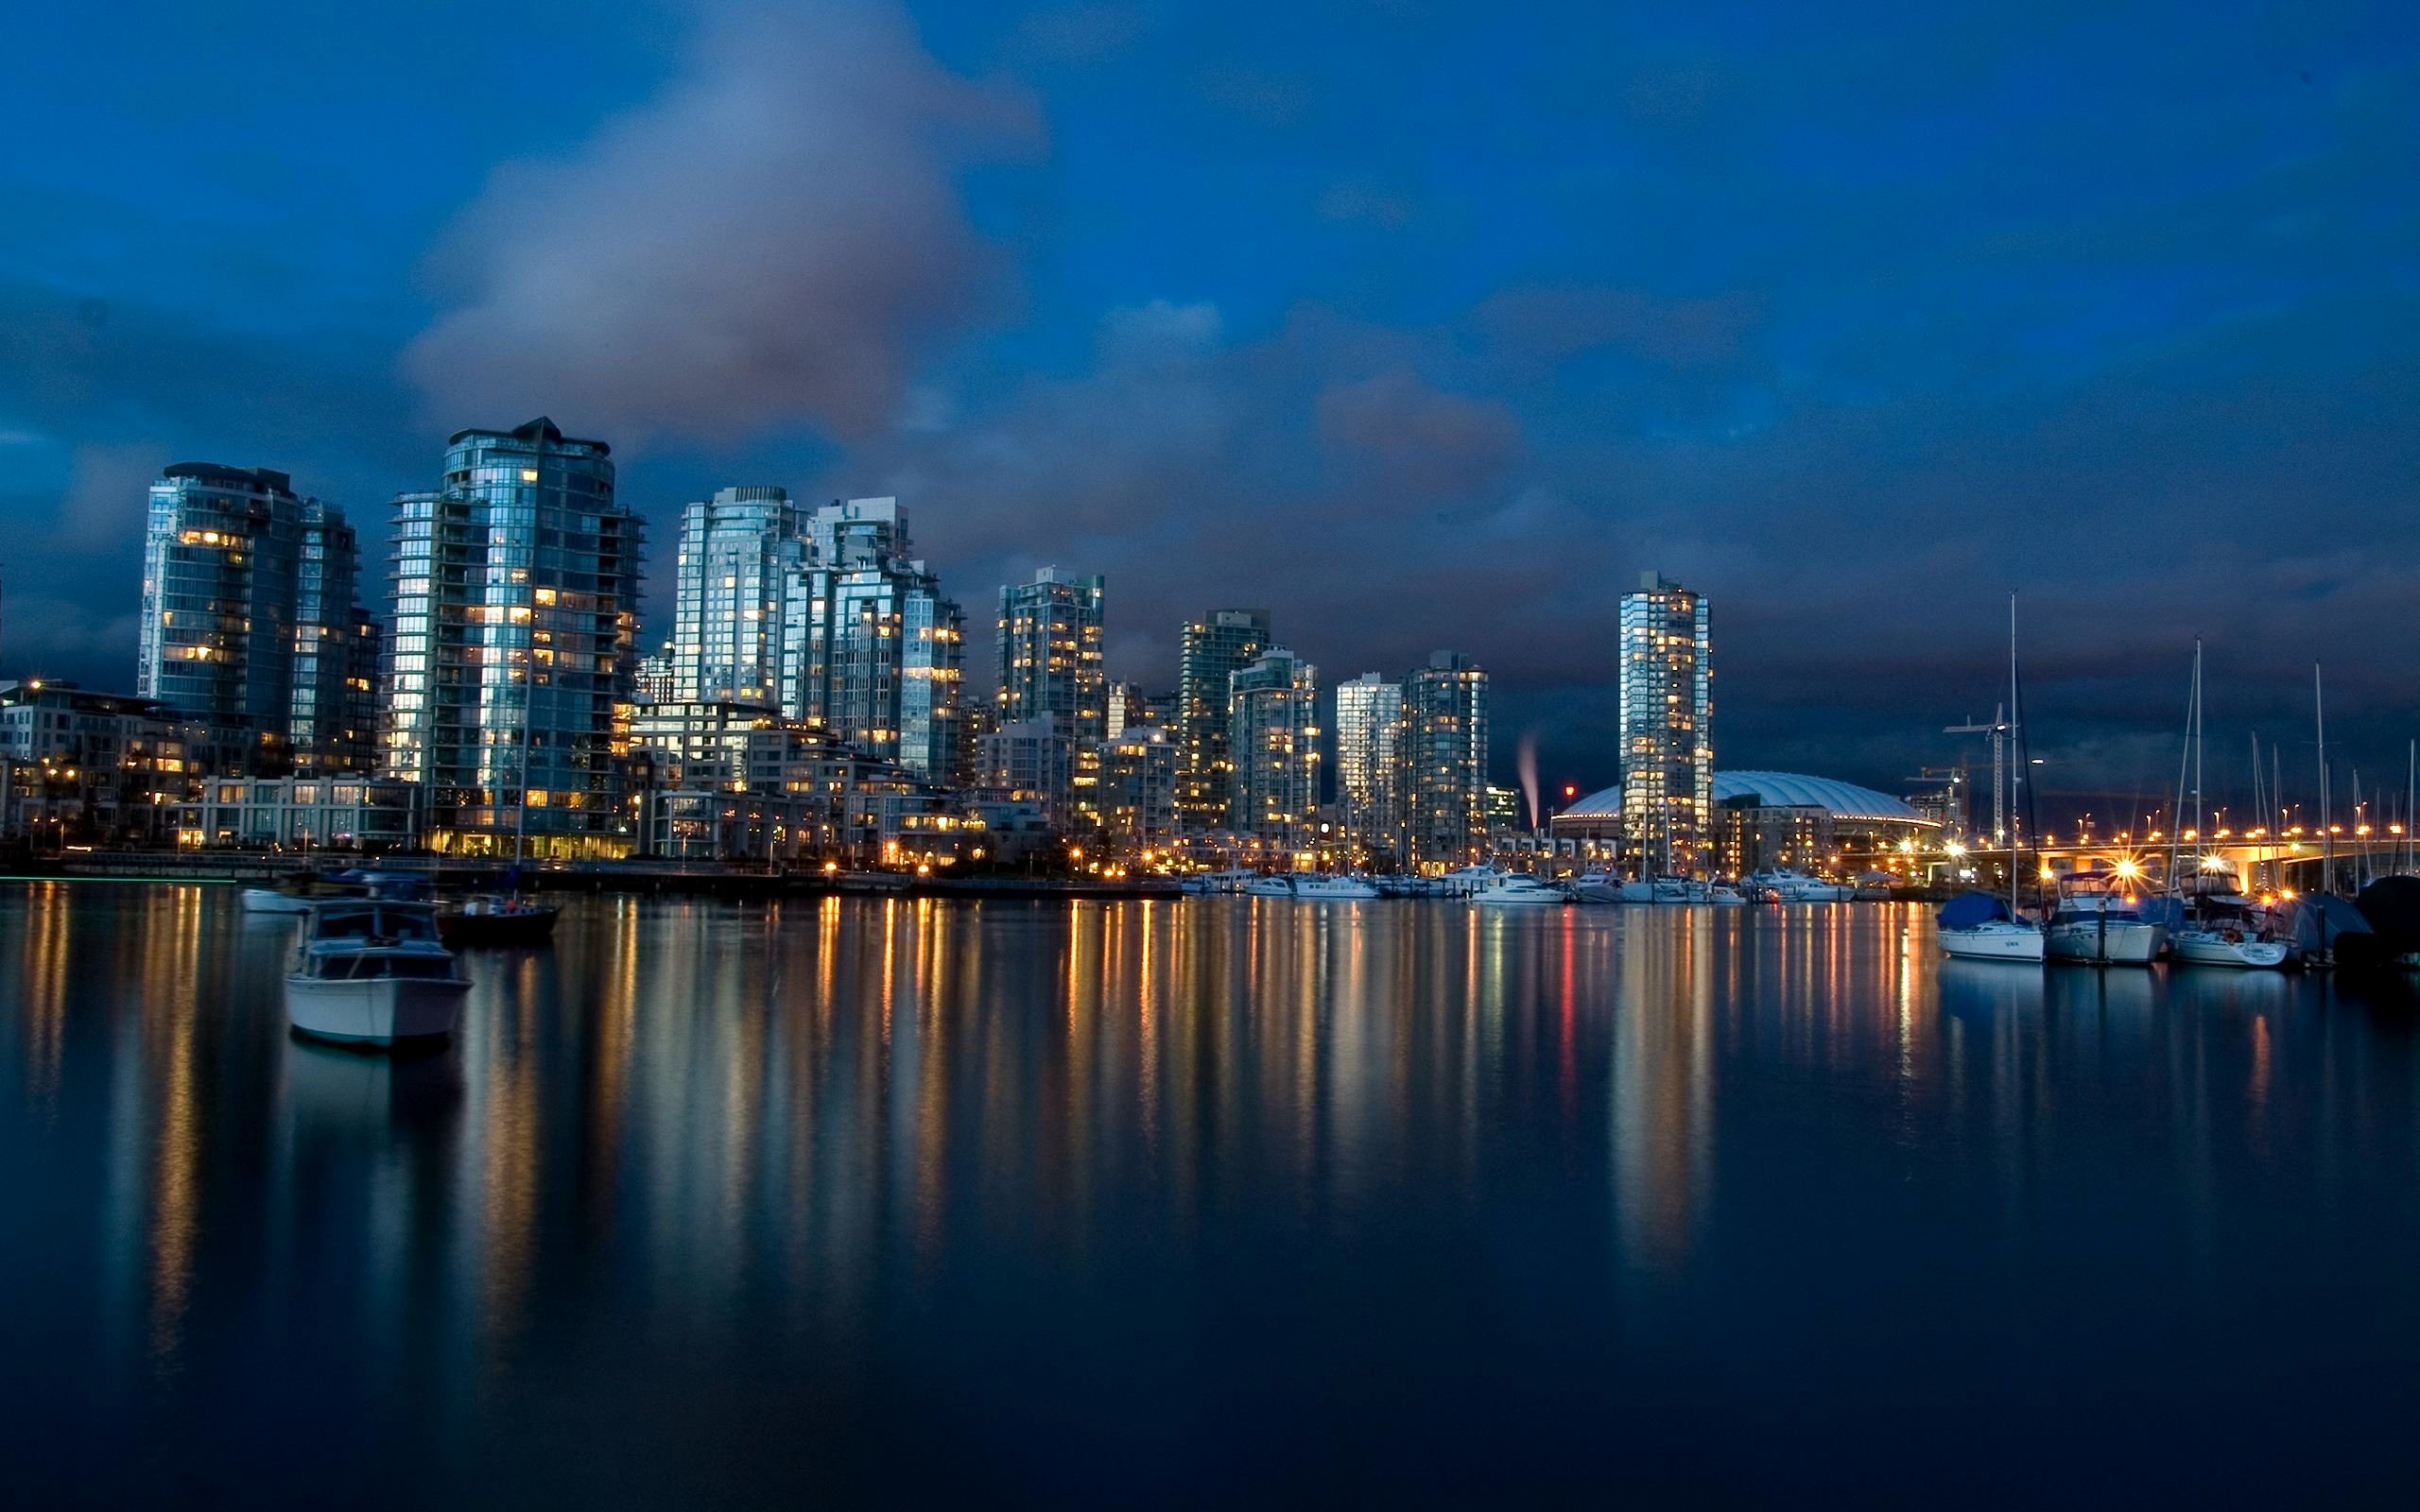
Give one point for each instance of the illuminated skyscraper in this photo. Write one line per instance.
(516, 606)
(1217, 647)
(1443, 761)
(1051, 674)
(1668, 713)
(872, 650)
(1273, 744)
(251, 614)
(742, 552)
(1369, 769)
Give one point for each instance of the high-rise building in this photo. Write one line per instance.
(516, 603)
(251, 614)
(741, 556)
(1216, 648)
(1666, 714)
(1138, 788)
(1273, 748)
(1129, 707)
(1369, 769)
(872, 651)
(1051, 674)
(1443, 761)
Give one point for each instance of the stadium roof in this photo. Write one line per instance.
(1842, 800)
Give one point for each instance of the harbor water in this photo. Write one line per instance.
(1204, 1201)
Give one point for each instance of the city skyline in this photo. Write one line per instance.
(1837, 389)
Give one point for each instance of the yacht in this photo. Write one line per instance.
(2100, 920)
(2212, 942)
(1520, 892)
(372, 972)
(1978, 927)
(1337, 888)
(1203, 883)
(1471, 880)
(1279, 886)
(1788, 886)
(1681, 890)
(1596, 885)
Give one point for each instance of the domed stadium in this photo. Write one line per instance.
(1774, 819)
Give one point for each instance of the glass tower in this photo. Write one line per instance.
(1369, 747)
(1216, 648)
(1051, 674)
(1274, 743)
(1443, 761)
(250, 613)
(742, 552)
(870, 651)
(516, 599)
(1668, 711)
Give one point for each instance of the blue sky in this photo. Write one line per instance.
(1421, 325)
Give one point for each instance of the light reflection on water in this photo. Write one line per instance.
(1213, 1196)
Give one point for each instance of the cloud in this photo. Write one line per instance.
(108, 495)
(1415, 440)
(779, 236)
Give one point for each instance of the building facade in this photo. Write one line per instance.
(1273, 750)
(515, 645)
(741, 557)
(252, 614)
(1137, 768)
(872, 651)
(1051, 675)
(1667, 727)
(1443, 766)
(1216, 647)
(1369, 767)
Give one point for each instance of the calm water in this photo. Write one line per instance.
(1198, 1202)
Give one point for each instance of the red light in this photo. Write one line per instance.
(1569, 791)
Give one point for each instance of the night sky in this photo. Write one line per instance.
(1421, 325)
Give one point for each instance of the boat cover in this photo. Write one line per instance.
(1969, 909)
(2317, 922)
(2391, 904)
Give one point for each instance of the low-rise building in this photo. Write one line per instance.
(338, 813)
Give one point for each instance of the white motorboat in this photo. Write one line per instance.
(1789, 885)
(1596, 885)
(1277, 887)
(2099, 921)
(275, 900)
(1979, 927)
(1337, 888)
(1202, 882)
(1521, 892)
(372, 972)
(1471, 880)
(2224, 945)
(1681, 890)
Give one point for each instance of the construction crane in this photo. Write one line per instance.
(1999, 730)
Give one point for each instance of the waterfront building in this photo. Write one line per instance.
(515, 643)
(1443, 762)
(1137, 769)
(251, 614)
(726, 781)
(1274, 749)
(1020, 761)
(1767, 819)
(1505, 818)
(653, 681)
(1050, 674)
(1368, 765)
(741, 556)
(1127, 707)
(348, 812)
(872, 651)
(1667, 726)
(1216, 648)
(100, 767)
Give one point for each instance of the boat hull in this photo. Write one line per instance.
(1496, 898)
(269, 900)
(1987, 943)
(374, 1011)
(2131, 942)
(2202, 948)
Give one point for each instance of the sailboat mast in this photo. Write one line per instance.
(2011, 830)
(2326, 841)
(2184, 762)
